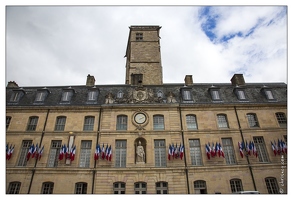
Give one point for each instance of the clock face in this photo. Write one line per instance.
(140, 118)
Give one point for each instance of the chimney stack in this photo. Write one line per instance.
(237, 80)
(188, 80)
(12, 84)
(90, 81)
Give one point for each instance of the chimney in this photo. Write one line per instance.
(238, 79)
(188, 80)
(12, 84)
(90, 81)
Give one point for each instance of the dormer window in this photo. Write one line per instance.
(268, 93)
(215, 94)
(120, 94)
(17, 94)
(186, 95)
(66, 95)
(240, 93)
(92, 95)
(41, 95)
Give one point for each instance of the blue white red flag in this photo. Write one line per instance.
(221, 151)
(274, 148)
(61, 152)
(213, 152)
(66, 151)
(247, 148)
(110, 153)
(176, 151)
(240, 149)
(254, 149)
(10, 152)
(217, 149)
(72, 153)
(277, 148)
(181, 149)
(169, 152)
(284, 146)
(106, 152)
(36, 149)
(97, 152)
(40, 153)
(103, 152)
(208, 152)
(173, 151)
(30, 151)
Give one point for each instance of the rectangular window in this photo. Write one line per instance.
(252, 120)
(195, 153)
(215, 95)
(159, 122)
(14, 188)
(85, 153)
(186, 95)
(23, 152)
(282, 120)
(92, 96)
(15, 97)
(121, 123)
(222, 121)
(162, 187)
(41, 95)
(89, 123)
(47, 188)
(191, 122)
(119, 188)
(32, 123)
(261, 149)
(54, 153)
(228, 151)
(272, 185)
(120, 153)
(140, 188)
(81, 188)
(236, 185)
(160, 153)
(269, 94)
(241, 95)
(60, 123)
(200, 187)
(139, 36)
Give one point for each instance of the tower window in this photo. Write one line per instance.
(139, 36)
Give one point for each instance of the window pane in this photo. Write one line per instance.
(191, 122)
(85, 153)
(160, 153)
(222, 121)
(89, 123)
(252, 120)
(14, 188)
(54, 153)
(120, 153)
(32, 124)
(261, 149)
(121, 122)
(23, 152)
(195, 152)
(228, 151)
(158, 122)
(60, 123)
(282, 120)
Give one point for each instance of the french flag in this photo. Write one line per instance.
(221, 151)
(109, 153)
(274, 148)
(30, 151)
(40, 153)
(240, 149)
(254, 149)
(9, 153)
(97, 152)
(36, 149)
(247, 148)
(208, 152)
(103, 152)
(181, 151)
(169, 152)
(106, 152)
(284, 146)
(72, 153)
(61, 152)
(217, 150)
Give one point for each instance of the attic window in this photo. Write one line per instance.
(41, 95)
(66, 95)
(215, 94)
(268, 93)
(17, 94)
(92, 95)
(139, 36)
(240, 93)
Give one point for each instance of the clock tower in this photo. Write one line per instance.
(143, 56)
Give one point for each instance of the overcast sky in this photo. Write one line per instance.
(61, 45)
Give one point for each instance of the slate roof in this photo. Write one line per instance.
(200, 94)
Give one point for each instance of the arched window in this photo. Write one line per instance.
(13, 187)
(140, 188)
(272, 185)
(236, 185)
(222, 121)
(162, 187)
(32, 123)
(119, 188)
(200, 187)
(47, 188)
(80, 188)
(252, 120)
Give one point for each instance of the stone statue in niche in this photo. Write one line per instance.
(109, 98)
(171, 98)
(140, 154)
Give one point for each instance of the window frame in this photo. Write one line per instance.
(16, 96)
(41, 95)
(54, 151)
(120, 153)
(282, 119)
(158, 122)
(66, 96)
(121, 122)
(191, 122)
(25, 146)
(195, 152)
(261, 149)
(268, 93)
(272, 185)
(252, 120)
(162, 187)
(186, 95)
(60, 123)
(121, 189)
(222, 121)
(14, 187)
(80, 188)
(215, 94)
(47, 188)
(160, 153)
(89, 122)
(85, 153)
(228, 148)
(140, 189)
(92, 95)
(139, 36)
(201, 186)
(236, 185)
(32, 123)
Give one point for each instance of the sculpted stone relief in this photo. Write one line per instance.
(139, 95)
